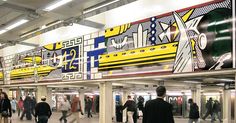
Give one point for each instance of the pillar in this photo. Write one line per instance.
(105, 105)
(227, 106)
(198, 97)
(114, 106)
(81, 97)
(7, 91)
(235, 97)
(49, 97)
(42, 91)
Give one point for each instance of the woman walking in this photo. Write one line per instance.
(20, 106)
(5, 108)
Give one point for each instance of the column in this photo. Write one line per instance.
(81, 97)
(41, 91)
(235, 96)
(7, 91)
(198, 96)
(227, 106)
(105, 105)
(49, 97)
(194, 94)
(114, 106)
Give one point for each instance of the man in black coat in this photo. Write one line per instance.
(209, 107)
(158, 110)
(194, 112)
(43, 111)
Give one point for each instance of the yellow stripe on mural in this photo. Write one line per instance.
(136, 64)
(137, 60)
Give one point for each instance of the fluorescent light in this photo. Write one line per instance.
(14, 25)
(2, 31)
(56, 4)
(98, 7)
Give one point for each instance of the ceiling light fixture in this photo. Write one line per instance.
(99, 6)
(18, 23)
(2, 31)
(56, 4)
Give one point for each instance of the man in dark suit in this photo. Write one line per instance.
(158, 110)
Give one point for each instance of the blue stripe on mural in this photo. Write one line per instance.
(99, 40)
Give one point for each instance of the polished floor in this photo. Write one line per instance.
(56, 116)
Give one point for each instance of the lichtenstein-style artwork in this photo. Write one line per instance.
(35, 65)
(72, 54)
(94, 46)
(52, 60)
(196, 38)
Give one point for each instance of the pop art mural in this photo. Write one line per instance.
(198, 38)
(193, 39)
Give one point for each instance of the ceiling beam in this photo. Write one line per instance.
(91, 24)
(21, 9)
(12, 43)
(79, 20)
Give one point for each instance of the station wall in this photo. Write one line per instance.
(187, 40)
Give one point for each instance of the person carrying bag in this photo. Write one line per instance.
(5, 108)
(76, 108)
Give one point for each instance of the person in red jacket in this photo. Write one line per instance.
(75, 109)
(20, 106)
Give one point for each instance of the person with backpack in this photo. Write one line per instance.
(131, 109)
(194, 112)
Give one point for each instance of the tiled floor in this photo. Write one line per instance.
(55, 117)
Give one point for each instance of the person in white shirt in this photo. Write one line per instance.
(13, 105)
(65, 107)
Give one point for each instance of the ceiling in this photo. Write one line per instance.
(11, 9)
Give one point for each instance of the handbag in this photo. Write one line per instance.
(5, 114)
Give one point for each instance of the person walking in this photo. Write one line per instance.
(194, 112)
(76, 108)
(131, 109)
(33, 103)
(209, 107)
(158, 110)
(65, 107)
(13, 105)
(217, 110)
(43, 111)
(140, 104)
(89, 105)
(26, 109)
(20, 106)
(5, 108)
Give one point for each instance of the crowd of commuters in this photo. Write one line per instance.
(154, 111)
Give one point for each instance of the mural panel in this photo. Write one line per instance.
(35, 65)
(197, 38)
(72, 54)
(94, 46)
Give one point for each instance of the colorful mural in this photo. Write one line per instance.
(94, 46)
(197, 38)
(72, 54)
(183, 41)
(35, 65)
